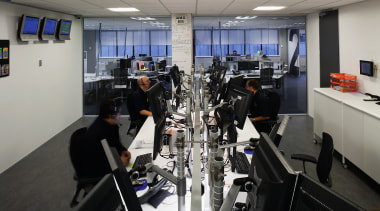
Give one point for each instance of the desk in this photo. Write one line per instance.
(354, 125)
(143, 143)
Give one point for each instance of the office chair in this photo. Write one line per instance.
(266, 78)
(324, 162)
(274, 103)
(83, 183)
(136, 123)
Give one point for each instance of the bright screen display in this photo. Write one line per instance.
(65, 28)
(30, 25)
(50, 26)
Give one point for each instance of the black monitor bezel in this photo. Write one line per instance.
(242, 105)
(363, 72)
(309, 192)
(275, 178)
(156, 99)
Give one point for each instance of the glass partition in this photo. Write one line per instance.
(114, 43)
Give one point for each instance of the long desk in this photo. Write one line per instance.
(354, 125)
(143, 143)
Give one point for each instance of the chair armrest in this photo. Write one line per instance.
(304, 158)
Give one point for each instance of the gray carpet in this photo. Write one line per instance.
(43, 180)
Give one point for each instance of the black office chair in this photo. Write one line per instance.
(274, 103)
(324, 162)
(136, 123)
(83, 183)
(266, 78)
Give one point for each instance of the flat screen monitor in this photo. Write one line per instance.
(275, 179)
(64, 29)
(241, 100)
(122, 178)
(311, 195)
(104, 196)
(157, 101)
(48, 28)
(237, 80)
(159, 129)
(28, 28)
(366, 68)
(216, 84)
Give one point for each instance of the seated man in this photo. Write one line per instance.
(140, 98)
(260, 108)
(106, 127)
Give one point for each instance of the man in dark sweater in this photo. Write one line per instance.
(141, 99)
(260, 108)
(106, 127)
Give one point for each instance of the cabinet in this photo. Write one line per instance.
(354, 125)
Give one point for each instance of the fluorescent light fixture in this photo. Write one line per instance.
(120, 9)
(143, 18)
(245, 17)
(268, 8)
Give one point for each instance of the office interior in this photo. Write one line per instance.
(42, 103)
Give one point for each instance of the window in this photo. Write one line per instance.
(202, 42)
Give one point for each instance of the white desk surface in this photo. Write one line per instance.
(352, 99)
(143, 143)
(146, 133)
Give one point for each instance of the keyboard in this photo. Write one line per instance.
(143, 159)
(241, 163)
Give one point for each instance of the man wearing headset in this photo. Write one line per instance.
(106, 126)
(140, 98)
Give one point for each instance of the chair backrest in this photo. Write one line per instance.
(324, 163)
(131, 108)
(266, 75)
(274, 103)
(75, 149)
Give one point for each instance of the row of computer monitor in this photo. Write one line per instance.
(277, 186)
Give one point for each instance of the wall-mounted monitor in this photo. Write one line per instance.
(48, 28)
(366, 68)
(63, 29)
(28, 28)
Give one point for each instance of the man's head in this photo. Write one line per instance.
(110, 109)
(144, 83)
(234, 52)
(252, 85)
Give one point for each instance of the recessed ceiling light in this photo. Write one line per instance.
(143, 18)
(269, 8)
(245, 17)
(120, 9)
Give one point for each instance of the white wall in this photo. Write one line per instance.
(359, 33)
(312, 52)
(36, 102)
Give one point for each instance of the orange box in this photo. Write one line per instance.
(343, 82)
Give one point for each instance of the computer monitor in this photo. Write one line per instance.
(243, 99)
(122, 178)
(104, 196)
(159, 129)
(275, 179)
(237, 80)
(176, 76)
(157, 101)
(311, 195)
(243, 65)
(366, 68)
(216, 88)
(28, 28)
